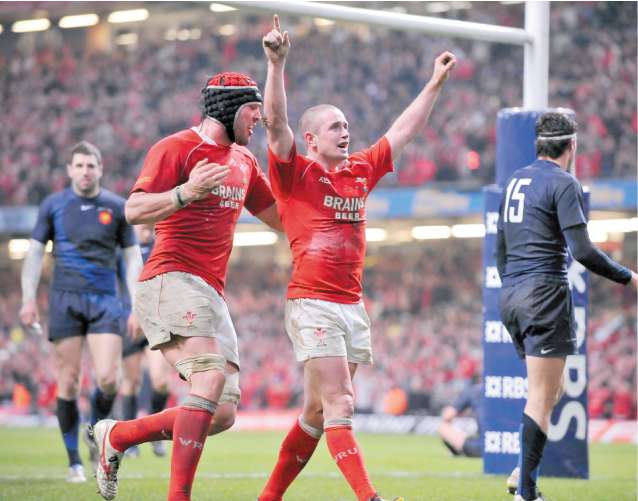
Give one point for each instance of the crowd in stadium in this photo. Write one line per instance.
(123, 100)
(425, 306)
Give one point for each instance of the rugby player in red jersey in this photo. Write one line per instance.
(321, 197)
(193, 186)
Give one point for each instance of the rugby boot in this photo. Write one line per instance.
(110, 458)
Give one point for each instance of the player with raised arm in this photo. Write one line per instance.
(86, 224)
(541, 216)
(193, 185)
(321, 197)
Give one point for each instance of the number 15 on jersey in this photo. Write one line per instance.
(514, 195)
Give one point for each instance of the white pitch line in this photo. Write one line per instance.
(249, 475)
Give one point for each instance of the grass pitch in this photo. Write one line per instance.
(234, 467)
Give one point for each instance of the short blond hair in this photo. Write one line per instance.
(307, 122)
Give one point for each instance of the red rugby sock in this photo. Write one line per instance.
(189, 435)
(346, 453)
(295, 451)
(145, 429)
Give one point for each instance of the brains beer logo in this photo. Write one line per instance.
(105, 217)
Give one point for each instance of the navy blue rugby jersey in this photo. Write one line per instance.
(539, 202)
(86, 233)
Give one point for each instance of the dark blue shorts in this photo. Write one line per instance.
(472, 447)
(80, 313)
(539, 315)
(130, 347)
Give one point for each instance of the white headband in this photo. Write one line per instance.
(556, 138)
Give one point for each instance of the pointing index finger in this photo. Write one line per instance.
(275, 20)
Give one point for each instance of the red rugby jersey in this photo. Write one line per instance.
(198, 239)
(324, 216)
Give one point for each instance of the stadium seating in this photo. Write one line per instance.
(125, 100)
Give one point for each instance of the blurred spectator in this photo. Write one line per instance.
(395, 401)
(57, 92)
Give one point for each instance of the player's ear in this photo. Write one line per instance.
(310, 139)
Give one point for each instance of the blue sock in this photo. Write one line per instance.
(158, 401)
(69, 421)
(129, 407)
(532, 444)
(100, 405)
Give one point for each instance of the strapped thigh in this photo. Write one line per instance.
(231, 392)
(200, 363)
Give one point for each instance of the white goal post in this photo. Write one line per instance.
(534, 38)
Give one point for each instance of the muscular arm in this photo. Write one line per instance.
(592, 258)
(133, 261)
(270, 216)
(415, 117)
(280, 136)
(144, 208)
(279, 133)
(501, 253)
(31, 270)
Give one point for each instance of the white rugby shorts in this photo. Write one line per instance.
(183, 304)
(319, 328)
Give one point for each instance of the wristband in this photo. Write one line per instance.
(177, 197)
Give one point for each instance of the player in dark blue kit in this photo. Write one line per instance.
(133, 352)
(541, 215)
(456, 440)
(87, 225)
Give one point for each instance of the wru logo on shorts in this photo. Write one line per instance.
(320, 334)
(189, 317)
